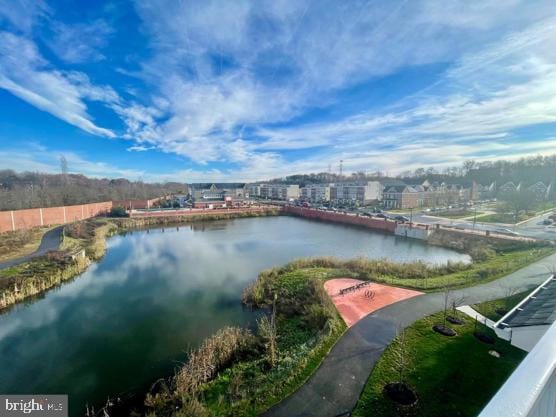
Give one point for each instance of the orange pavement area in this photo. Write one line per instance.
(354, 305)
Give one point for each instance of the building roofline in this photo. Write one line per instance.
(503, 322)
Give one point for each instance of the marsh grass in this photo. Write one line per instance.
(41, 274)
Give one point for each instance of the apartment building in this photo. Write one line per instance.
(362, 193)
(254, 190)
(315, 193)
(279, 191)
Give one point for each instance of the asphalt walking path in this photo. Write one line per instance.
(334, 388)
(50, 241)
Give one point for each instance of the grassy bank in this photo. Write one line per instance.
(479, 272)
(306, 327)
(20, 243)
(452, 376)
(126, 223)
(82, 243)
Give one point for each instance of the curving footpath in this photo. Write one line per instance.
(335, 387)
(50, 241)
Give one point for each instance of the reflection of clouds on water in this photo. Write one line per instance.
(157, 292)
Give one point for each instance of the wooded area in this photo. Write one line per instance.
(32, 190)
(526, 170)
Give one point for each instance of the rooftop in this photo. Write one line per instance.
(537, 309)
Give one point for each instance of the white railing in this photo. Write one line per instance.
(531, 390)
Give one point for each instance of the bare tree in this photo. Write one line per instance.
(456, 301)
(267, 330)
(401, 355)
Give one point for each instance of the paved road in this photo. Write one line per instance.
(531, 228)
(334, 388)
(50, 241)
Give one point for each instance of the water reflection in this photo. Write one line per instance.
(130, 318)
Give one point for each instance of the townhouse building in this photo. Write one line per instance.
(316, 193)
(279, 191)
(402, 197)
(361, 193)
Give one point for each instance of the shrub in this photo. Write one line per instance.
(118, 211)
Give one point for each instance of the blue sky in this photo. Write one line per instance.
(241, 90)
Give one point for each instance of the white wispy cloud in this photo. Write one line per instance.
(80, 42)
(27, 75)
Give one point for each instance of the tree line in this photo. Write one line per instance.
(527, 170)
(32, 190)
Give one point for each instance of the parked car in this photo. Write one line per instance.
(547, 222)
(401, 218)
(381, 215)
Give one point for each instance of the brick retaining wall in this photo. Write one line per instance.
(369, 222)
(28, 218)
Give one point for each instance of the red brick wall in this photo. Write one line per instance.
(378, 224)
(29, 218)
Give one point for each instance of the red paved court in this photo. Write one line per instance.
(357, 303)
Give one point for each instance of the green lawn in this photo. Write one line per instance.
(451, 376)
(507, 218)
(477, 273)
(456, 214)
(489, 309)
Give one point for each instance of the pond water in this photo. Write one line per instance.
(130, 318)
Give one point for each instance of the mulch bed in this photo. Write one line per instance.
(400, 393)
(454, 320)
(444, 330)
(485, 338)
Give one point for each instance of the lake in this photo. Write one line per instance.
(130, 318)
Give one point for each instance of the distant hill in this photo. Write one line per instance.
(30, 189)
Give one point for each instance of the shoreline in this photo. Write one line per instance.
(30, 279)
